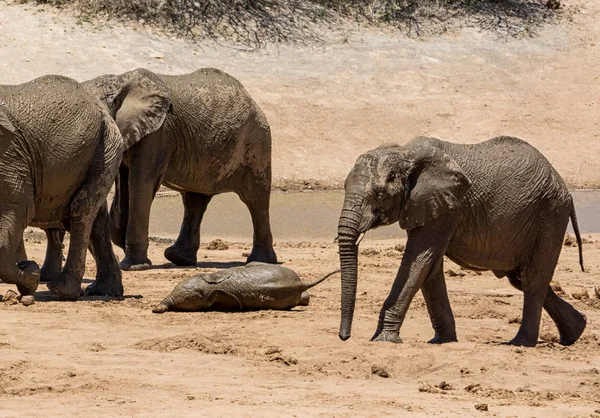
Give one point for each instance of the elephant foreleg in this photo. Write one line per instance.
(256, 196)
(148, 166)
(185, 249)
(438, 306)
(425, 249)
(108, 276)
(54, 254)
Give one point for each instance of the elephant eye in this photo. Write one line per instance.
(380, 196)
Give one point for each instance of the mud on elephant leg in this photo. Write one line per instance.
(436, 297)
(256, 197)
(108, 276)
(54, 254)
(185, 249)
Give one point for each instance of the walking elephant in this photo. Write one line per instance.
(215, 140)
(498, 205)
(62, 151)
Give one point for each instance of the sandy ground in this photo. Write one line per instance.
(326, 104)
(116, 358)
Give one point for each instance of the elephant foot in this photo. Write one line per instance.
(387, 336)
(265, 255)
(180, 257)
(66, 288)
(29, 281)
(135, 263)
(521, 340)
(160, 308)
(571, 333)
(105, 288)
(443, 339)
(304, 299)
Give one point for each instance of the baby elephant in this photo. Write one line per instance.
(251, 287)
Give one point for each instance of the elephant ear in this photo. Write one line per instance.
(141, 107)
(435, 185)
(222, 300)
(7, 131)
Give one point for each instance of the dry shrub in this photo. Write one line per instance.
(257, 22)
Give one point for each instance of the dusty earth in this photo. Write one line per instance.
(326, 104)
(116, 358)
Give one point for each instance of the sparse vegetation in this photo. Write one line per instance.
(257, 22)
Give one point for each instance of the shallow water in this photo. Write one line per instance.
(306, 216)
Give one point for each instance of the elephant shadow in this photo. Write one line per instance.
(48, 296)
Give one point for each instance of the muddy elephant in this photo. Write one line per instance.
(215, 140)
(498, 205)
(62, 154)
(251, 287)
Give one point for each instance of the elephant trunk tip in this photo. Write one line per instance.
(345, 329)
(161, 308)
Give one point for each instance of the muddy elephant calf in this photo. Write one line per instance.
(252, 287)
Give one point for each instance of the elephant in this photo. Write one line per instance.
(497, 205)
(62, 152)
(214, 140)
(251, 287)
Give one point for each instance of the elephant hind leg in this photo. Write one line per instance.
(535, 277)
(54, 254)
(438, 306)
(569, 321)
(119, 210)
(108, 275)
(185, 249)
(14, 269)
(256, 195)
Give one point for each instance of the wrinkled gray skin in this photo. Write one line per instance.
(215, 140)
(62, 154)
(498, 205)
(251, 287)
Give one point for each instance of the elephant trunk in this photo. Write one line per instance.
(348, 231)
(164, 306)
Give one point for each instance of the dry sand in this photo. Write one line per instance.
(326, 105)
(116, 358)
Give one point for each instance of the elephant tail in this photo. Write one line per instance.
(322, 279)
(577, 235)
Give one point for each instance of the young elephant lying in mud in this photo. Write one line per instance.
(251, 287)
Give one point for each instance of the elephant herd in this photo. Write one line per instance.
(498, 205)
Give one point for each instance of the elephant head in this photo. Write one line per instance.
(411, 185)
(7, 131)
(137, 104)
